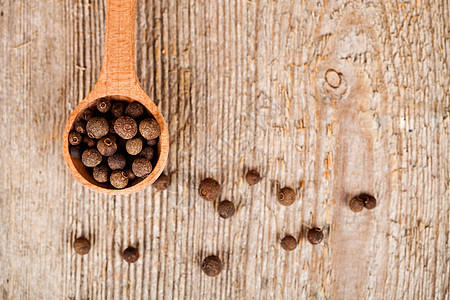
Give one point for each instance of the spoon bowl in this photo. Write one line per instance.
(118, 81)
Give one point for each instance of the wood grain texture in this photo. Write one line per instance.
(241, 85)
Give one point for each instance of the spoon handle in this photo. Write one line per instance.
(119, 62)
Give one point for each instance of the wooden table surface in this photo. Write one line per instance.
(242, 85)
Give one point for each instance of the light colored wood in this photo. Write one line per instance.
(241, 85)
(118, 79)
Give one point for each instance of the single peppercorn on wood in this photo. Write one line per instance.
(314, 235)
(82, 245)
(252, 177)
(212, 266)
(356, 204)
(226, 209)
(286, 196)
(130, 255)
(209, 189)
(288, 243)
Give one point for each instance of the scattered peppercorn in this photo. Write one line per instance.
(288, 243)
(212, 265)
(369, 201)
(125, 127)
(252, 177)
(100, 173)
(131, 255)
(117, 161)
(75, 138)
(75, 152)
(130, 174)
(149, 129)
(97, 127)
(103, 105)
(356, 204)
(209, 189)
(286, 196)
(148, 152)
(118, 179)
(134, 110)
(152, 142)
(134, 146)
(315, 235)
(117, 109)
(162, 183)
(80, 126)
(226, 209)
(91, 157)
(82, 245)
(141, 167)
(107, 146)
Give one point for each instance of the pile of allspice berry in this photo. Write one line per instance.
(116, 141)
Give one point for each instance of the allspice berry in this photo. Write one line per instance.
(107, 146)
(134, 146)
(91, 157)
(369, 201)
(130, 174)
(147, 152)
(141, 167)
(314, 235)
(117, 109)
(286, 196)
(212, 265)
(356, 204)
(252, 177)
(130, 255)
(162, 183)
(75, 138)
(80, 126)
(226, 209)
(152, 142)
(149, 129)
(103, 105)
(134, 110)
(100, 173)
(125, 127)
(117, 161)
(209, 189)
(75, 152)
(89, 142)
(82, 245)
(111, 126)
(87, 114)
(288, 243)
(97, 127)
(118, 179)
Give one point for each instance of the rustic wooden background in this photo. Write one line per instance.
(241, 85)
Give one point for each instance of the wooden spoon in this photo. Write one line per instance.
(118, 80)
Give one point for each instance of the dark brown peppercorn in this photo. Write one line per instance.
(209, 189)
(286, 196)
(134, 146)
(162, 183)
(289, 243)
(100, 173)
(80, 126)
(148, 153)
(103, 105)
(369, 201)
(117, 109)
(75, 152)
(91, 157)
(149, 129)
(89, 142)
(212, 265)
(75, 138)
(314, 235)
(117, 161)
(87, 114)
(82, 245)
(152, 142)
(97, 127)
(226, 209)
(130, 174)
(252, 177)
(134, 110)
(107, 146)
(356, 204)
(111, 126)
(118, 179)
(125, 127)
(141, 167)
(131, 255)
